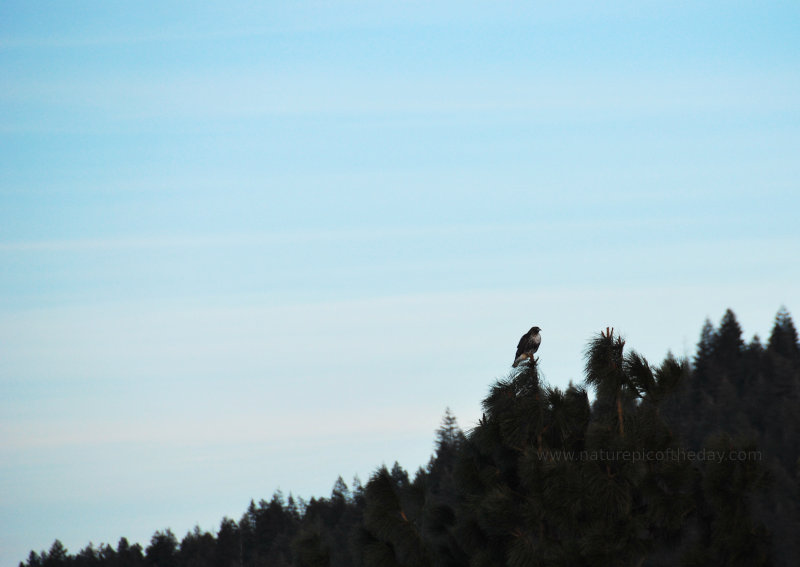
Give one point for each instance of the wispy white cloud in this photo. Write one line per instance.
(263, 91)
(169, 431)
(212, 23)
(372, 233)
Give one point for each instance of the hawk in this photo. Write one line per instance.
(528, 344)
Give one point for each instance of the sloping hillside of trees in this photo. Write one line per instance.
(675, 463)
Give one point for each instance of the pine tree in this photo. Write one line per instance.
(247, 536)
(309, 549)
(163, 548)
(728, 341)
(57, 556)
(272, 531)
(448, 443)
(34, 560)
(605, 372)
(784, 340)
(228, 548)
(197, 549)
(506, 477)
(441, 495)
(730, 535)
(704, 352)
(392, 534)
(129, 555)
(89, 556)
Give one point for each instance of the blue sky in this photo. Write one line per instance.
(255, 246)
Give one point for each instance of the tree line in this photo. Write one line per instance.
(683, 462)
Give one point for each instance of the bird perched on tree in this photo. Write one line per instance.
(528, 345)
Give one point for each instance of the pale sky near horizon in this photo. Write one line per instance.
(255, 246)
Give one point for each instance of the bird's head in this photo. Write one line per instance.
(535, 329)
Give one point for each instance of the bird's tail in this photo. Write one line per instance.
(519, 359)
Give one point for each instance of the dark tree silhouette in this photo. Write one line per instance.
(163, 549)
(548, 478)
(227, 552)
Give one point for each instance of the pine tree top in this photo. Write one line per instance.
(728, 340)
(783, 339)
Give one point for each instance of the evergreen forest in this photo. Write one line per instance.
(683, 462)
